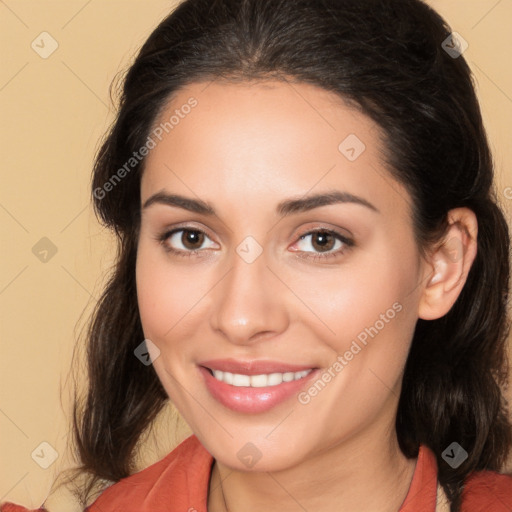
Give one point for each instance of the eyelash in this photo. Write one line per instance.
(347, 244)
(164, 237)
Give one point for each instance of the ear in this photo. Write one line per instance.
(448, 264)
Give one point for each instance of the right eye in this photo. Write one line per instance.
(186, 241)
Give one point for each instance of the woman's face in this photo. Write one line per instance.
(278, 252)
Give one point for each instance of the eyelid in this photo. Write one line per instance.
(315, 227)
(165, 234)
(347, 243)
(346, 239)
(187, 226)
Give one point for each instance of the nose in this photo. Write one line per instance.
(248, 304)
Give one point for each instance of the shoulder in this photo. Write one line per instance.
(177, 482)
(11, 507)
(167, 485)
(486, 491)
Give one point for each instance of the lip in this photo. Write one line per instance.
(253, 367)
(248, 400)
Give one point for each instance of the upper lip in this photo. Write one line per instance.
(253, 367)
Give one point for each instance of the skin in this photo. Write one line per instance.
(243, 149)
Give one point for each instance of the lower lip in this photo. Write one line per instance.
(252, 400)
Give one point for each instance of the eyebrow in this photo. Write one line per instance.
(192, 205)
(304, 204)
(284, 208)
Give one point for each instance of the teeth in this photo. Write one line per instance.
(241, 380)
(258, 381)
(288, 376)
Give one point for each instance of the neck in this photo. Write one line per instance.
(367, 473)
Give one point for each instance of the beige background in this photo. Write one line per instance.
(54, 111)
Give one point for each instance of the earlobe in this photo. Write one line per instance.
(449, 264)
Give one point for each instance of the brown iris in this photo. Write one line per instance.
(192, 239)
(323, 241)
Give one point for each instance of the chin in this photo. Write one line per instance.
(255, 453)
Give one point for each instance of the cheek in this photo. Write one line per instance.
(374, 293)
(368, 312)
(169, 296)
(169, 302)
(155, 305)
(368, 315)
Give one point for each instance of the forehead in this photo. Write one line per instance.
(264, 139)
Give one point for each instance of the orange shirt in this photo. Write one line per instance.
(179, 483)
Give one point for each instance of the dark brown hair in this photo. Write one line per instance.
(386, 58)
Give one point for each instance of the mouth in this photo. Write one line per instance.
(252, 387)
(258, 381)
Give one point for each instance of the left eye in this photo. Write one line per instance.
(321, 241)
(188, 240)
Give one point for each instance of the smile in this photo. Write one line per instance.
(252, 387)
(258, 381)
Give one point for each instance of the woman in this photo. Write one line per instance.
(310, 248)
